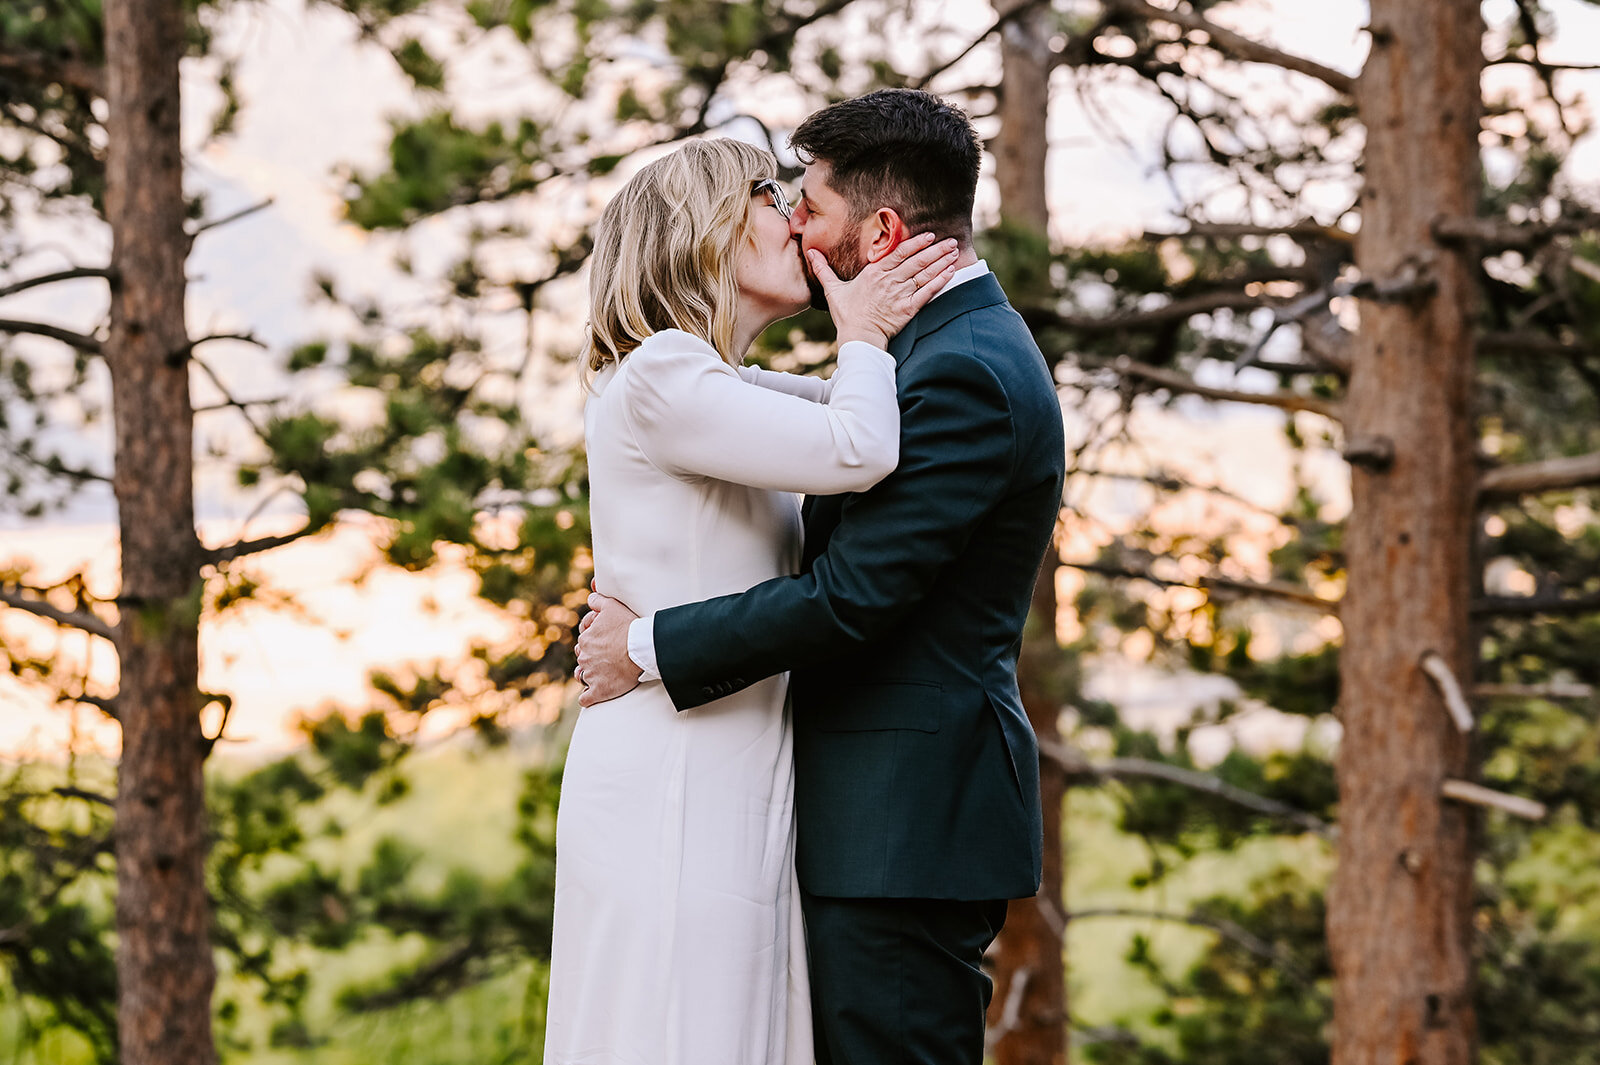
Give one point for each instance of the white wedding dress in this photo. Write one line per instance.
(678, 937)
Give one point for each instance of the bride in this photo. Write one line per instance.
(677, 934)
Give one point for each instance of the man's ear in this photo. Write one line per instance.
(883, 233)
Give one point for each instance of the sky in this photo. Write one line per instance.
(318, 102)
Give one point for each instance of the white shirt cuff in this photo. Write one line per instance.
(642, 647)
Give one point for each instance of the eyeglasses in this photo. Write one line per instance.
(780, 199)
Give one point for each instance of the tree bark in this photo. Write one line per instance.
(165, 969)
(1029, 1012)
(1401, 902)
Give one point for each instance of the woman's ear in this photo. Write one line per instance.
(885, 231)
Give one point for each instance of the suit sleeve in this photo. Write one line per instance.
(693, 416)
(957, 451)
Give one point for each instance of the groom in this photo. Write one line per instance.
(916, 773)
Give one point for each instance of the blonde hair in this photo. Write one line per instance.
(666, 250)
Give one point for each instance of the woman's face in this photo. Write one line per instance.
(770, 275)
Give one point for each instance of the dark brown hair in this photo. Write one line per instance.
(899, 148)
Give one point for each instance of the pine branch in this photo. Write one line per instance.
(1525, 61)
(994, 27)
(1553, 602)
(1478, 795)
(106, 706)
(1234, 231)
(87, 796)
(1011, 1011)
(50, 279)
(218, 555)
(56, 466)
(31, 601)
(243, 212)
(445, 972)
(1491, 235)
(1180, 382)
(1527, 342)
(1546, 475)
(1530, 31)
(1169, 483)
(1227, 929)
(1177, 310)
(177, 357)
(66, 336)
(1328, 342)
(1552, 690)
(68, 71)
(1074, 764)
(1237, 46)
(1284, 590)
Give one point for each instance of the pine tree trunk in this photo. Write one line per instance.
(165, 969)
(1030, 1005)
(1401, 903)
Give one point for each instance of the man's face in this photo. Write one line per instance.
(822, 220)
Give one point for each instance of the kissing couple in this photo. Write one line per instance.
(803, 785)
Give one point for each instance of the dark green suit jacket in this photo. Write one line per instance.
(916, 772)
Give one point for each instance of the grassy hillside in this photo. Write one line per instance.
(460, 812)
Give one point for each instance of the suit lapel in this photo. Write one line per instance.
(974, 295)
(820, 514)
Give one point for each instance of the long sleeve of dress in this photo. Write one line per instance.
(693, 415)
(816, 389)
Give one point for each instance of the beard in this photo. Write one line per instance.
(845, 262)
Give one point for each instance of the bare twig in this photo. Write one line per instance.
(1074, 763)
(87, 796)
(184, 352)
(1546, 475)
(1478, 795)
(218, 555)
(57, 466)
(69, 71)
(1292, 593)
(994, 27)
(1182, 382)
(1553, 690)
(50, 279)
(1517, 60)
(1011, 1012)
(1328, 342)
(1531, 343)
(1438, 671)
(1553, 602)
(1492, 236)
(1239, 47)
(106, 706)
(1530, 30)
(209, 743)
(31, 601)
(243, 212)
(1177, 310)
(1227, 929)
(228, 398)
(1585, 267)
(1235, 231)
(66, 336)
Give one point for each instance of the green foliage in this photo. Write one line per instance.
(437, 164)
